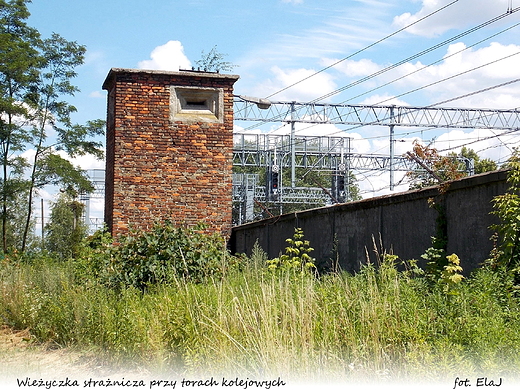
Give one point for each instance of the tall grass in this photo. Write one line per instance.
(379, 323)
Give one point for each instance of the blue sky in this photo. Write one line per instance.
(275, 43)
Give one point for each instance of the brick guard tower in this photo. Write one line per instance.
(169, 149)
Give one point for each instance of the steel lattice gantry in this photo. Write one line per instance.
(263, 150)
(97, 178)
(329, 153)
(334, 153)
(363, 115)
(260, 110)
(321, 153)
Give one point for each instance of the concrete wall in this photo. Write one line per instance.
(403, 223)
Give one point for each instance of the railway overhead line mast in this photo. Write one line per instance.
(276, 153)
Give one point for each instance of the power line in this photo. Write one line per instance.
(433, 63)
(433, 48)
(452, 77)
(408, 133)
(401, 62)
(418, 108)
(480, 140)
(476, 92)
(435, 104)
(364, 49)
(417, 55)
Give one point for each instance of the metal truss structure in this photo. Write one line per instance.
(333, 154)
(275, 153)
(265, 150)
(312, 152)
(390, 115)
(97, 178)
(248, 191)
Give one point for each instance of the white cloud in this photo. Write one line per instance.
(312, 130)
(496, 145)
(351, 68)
(98, 62)
(293, 1)
(457, 61)
(96, 207)
(169, 56)
(331, 32)
(86, 162)
(385, 100)
(359, 144)
(458, 15)
(462, 71)
(315, 86)
(97, 95)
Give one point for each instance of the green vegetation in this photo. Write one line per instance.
(296, 256)
(213, 61)
(66, 228)
(507, 208)
(35, 81)
(173, 298)
(166, 253)
(381, 323)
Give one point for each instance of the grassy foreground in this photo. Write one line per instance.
(377, 324)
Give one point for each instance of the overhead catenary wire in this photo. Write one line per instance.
(511, 10)
(430, 105)
(480, 140)
(410, 58)
(408, 133)
(439, 103)
(432, 63)
(435, 104)
(452, 77)
(476, 92)
(363, 49)
(417, 55)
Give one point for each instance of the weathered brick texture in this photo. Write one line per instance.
(161, 167)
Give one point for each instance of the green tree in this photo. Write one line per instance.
(66, 228)
(59, 60)
(480, 165)
(18, 61)
(214, 62)
(32, 102)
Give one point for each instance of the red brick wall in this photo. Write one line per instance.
(160, 169)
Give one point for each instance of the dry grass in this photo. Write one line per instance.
(374, 326)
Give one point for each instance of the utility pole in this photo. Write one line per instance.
(392, 144)
(43, 224)
(293, 145)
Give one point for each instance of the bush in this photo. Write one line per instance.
(66, 229)
(166, 253)
(94, 259)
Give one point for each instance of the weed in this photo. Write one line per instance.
(451, 276)
(296, 256)
(379, 323)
